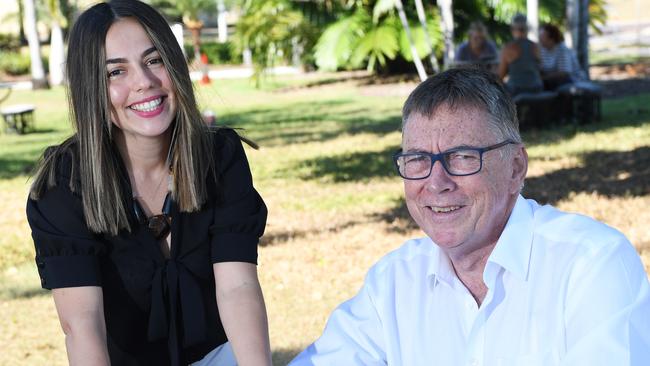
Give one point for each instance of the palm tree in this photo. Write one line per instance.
(39, 81)
(190, 10)
(414, 51)
(57, 49)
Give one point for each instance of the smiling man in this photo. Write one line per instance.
(499, 279)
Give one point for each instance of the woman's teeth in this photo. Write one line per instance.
(147, 106)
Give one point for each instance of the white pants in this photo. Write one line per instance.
(220, 356)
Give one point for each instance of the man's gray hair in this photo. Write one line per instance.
(463, 88)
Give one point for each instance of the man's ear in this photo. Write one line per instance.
(519, 168)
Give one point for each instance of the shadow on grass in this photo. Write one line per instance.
(11, 167)
(18, 291)
(397, 217)
(350, 167)
(607, 173)
(283, 356)
(621, 112)
(279, 237)
(311, 121)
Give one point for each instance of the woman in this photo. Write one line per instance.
(559, 65)
(145, 223)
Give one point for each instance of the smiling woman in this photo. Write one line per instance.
(145, 222)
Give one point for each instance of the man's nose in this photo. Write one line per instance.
(439, 180)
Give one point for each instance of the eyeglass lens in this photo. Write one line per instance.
(458, 162)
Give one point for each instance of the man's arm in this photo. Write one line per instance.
(81, 313)
(352, 337)
(242, 312)
(608, 310)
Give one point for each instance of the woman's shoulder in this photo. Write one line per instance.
(227, 143)
(61, 160)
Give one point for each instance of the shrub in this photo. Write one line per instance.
(14, 63)
(218, 53)
(9, 42)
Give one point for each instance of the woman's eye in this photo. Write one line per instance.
(114, 73)
(155, 61)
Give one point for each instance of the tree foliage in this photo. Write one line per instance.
(271, 29)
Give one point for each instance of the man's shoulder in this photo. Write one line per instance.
(415, 255)
(572, 228)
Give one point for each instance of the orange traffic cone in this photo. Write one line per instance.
(205, 79)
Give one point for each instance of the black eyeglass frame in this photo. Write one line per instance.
(440, 157)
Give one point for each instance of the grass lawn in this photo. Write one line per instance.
(335, 205)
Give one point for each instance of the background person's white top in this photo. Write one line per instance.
(563, 290)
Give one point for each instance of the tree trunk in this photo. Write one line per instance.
(414, 51)
(532, 10)
(222, 25)
(578, 26)
(57, 54)
(21, 23)
(39, 81)
(447, 20)
(196, 42)
(423, 20)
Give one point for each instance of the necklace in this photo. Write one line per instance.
(158, 225)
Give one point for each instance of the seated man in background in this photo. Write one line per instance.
(520, 60)
(499, 279)
(478, 49)
(559, 65)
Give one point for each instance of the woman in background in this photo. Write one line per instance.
(559, 65)
(145, 222)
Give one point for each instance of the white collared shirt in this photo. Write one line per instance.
(563, 289)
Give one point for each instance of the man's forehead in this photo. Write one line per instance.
(448, 127)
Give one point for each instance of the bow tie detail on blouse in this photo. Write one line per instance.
(167, 299)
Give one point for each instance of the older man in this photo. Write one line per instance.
(499, 279)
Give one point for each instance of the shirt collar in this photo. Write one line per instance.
(512, 251)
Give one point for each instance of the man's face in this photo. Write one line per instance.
(462, 214)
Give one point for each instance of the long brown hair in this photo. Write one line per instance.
(99, 178)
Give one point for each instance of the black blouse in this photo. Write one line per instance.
(158, 311)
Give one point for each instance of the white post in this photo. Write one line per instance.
(38, 72)
(177, 29)
(57, 54)
(222, 24)
(532, 10)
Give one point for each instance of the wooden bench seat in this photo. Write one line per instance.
(18, 118)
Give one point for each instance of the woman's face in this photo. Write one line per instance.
(140, 91)
(545, 40)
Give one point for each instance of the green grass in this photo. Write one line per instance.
(335, 205)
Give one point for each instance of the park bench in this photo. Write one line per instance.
(18, 118)
(581, 101)
(536, 109)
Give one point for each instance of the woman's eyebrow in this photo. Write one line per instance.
(121, 60)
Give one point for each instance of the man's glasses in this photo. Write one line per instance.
(459, 161)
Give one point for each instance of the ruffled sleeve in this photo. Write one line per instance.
(240, 213)
(67, 253)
